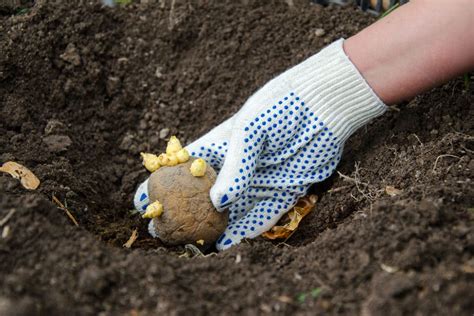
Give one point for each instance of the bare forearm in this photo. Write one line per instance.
(418, 46)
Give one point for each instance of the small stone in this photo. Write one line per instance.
(164, 132)
(147, 116)
(71, 55)
(126, 142)
(57, 143)
(158, 72)
(143, 125)
(54, 127)
(319, 32)
(180, 90)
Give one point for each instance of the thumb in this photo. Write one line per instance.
(245, 146)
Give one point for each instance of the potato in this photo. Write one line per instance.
(188, 214)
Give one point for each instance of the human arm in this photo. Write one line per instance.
(418, 46)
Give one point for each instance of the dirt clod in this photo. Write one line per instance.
(57, 143)
(71, 55)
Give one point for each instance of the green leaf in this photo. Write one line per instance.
(389, 10)
(21, 11)
(301, 297)
(123, 2)
(315, 292)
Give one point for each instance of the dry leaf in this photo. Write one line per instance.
(285, 299)
(466, 268)
(392, 191)
(17, 171)
(132, 239)
(287, 225)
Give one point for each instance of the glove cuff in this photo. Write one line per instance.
(336, 91)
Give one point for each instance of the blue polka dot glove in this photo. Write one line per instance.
(288, 135)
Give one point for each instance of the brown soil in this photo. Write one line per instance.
(84, 88)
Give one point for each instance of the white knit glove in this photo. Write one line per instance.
(288, 135)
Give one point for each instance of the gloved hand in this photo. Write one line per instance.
(288, 135)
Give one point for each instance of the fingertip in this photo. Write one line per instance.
(225, 242)
(220, 199)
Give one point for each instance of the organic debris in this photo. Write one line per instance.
(5, 232)
(64, 208)
(4, 220)
(392, 191)
(17, 171)
(314, 294)
(287, 225)
(191, 251)
(132, 239)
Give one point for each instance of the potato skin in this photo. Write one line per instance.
(188, 213)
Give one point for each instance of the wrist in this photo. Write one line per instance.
(331, 85)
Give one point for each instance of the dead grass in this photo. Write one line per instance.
(64, 208)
